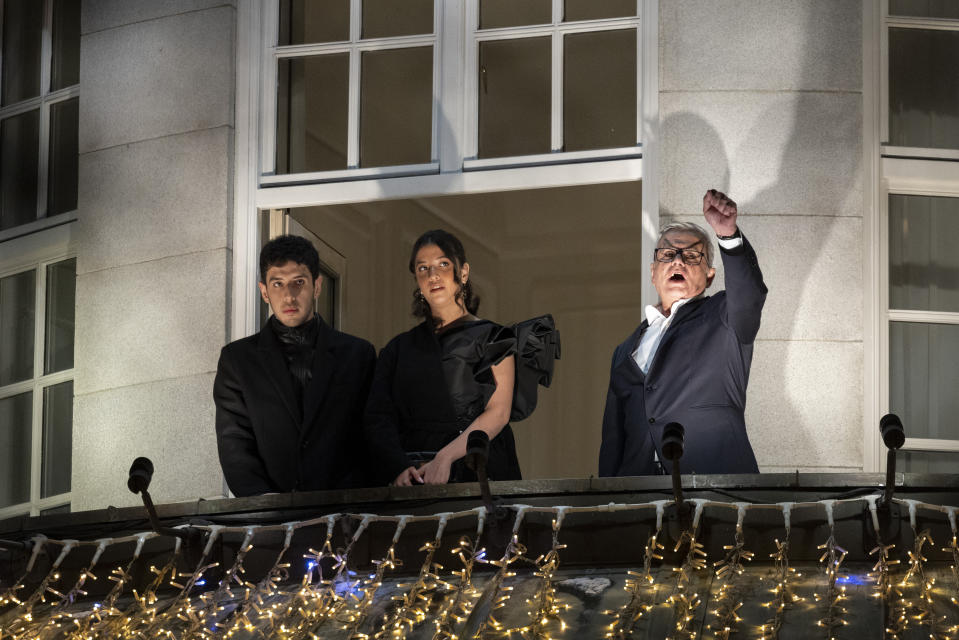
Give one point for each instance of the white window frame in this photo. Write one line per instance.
(44, 102)
(36, 252)
(556, 30)
(891, 170)
(255, 191)
(355, 47)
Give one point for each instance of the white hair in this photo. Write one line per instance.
(694, 229)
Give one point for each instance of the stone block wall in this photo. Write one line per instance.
(156, 148)
(764, 101)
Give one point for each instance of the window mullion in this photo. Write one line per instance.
(438, 83)
(269, 61)
(928, 24)
(922, 317)
(23, 106)
(933, 397)
(43, 174)
(46, 48)
(470, 128)
(884, 72)
(353, 102)
(452, 49)
(883, 298)
(556, 93)
(46, 58)
(36, 440)
(556, 80)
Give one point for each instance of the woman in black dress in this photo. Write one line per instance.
(450, 375)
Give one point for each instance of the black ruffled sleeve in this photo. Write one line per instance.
(537, 348)
(469, 355)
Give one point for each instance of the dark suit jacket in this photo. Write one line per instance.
(697, 378)
(263, 443)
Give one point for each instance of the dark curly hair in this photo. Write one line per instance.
(289, 248)
(452, 248)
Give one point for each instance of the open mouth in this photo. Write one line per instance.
(677, 277)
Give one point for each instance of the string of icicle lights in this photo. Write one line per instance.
(452, 604)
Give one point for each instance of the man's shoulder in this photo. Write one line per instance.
(241, 345)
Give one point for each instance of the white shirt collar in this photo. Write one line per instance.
(653, 314)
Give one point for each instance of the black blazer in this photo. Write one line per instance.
(697, 378)
(264, 446)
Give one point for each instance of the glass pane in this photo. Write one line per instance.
(312, 105)
(514, 13)
(19, 155)
(264, 226)
(924, 88)
(64, 157)
(326, 303)
(65, 65)
(61, 305)
(923, 378)
(924, 8)
(308, 21)
(514, 88)
(396, 110)
(22, 26)
(16, 414)
(63, 508)
(599, 90)
(592, 10)
(17, 309)
(57, 439)
(927, 461)
(386, 18)
(923, 262)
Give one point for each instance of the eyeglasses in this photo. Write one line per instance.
(668, 254)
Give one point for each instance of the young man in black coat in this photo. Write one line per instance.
(289, 399)
(688, 362)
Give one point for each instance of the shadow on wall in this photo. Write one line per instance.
(801, 205)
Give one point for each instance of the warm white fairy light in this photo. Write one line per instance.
(685, 603)
(414, 604)
(831, 559)
(8, 596)
(460, 592)
(366, 591)
(271, 607)
(545, 608)
(729, 598)
(784, 576)
(923, 611)
(641, 587)
(23, 624)
(495, 594)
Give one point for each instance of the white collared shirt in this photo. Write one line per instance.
(658, 323)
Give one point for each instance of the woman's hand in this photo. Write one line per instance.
(408, 477)
(437, 470)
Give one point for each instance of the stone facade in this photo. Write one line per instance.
(153, 244)
(761, 100)
(764, 101)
